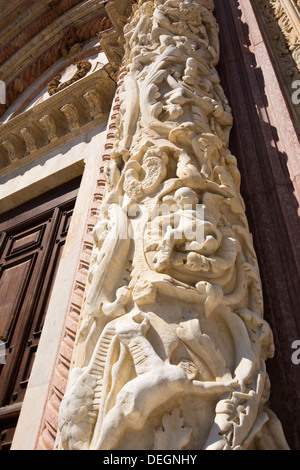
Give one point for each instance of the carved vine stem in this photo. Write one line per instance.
(174, 339)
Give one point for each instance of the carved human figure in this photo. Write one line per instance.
(187, 230)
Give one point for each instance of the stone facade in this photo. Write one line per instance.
(156, 103)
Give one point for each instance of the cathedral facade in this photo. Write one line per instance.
(149, 224)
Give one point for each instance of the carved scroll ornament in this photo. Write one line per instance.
(83, 67)
(282, 20)
(175, 341)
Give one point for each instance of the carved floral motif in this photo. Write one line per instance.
(280, 20)
(83, 67)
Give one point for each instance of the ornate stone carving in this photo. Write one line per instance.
(29, 139)
(53, 120)
(279, 20)
(113, 50)
(173, 329)
(15, 148)
(83, 67)
(11, 150)
(71, 112)
(30, 24)
(33, 51)
(112, 41)
(284, 14)
(60, 375)
(94, 101)
(50, 127)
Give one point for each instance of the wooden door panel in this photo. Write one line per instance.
(13, 283)
(8, 421)
(21, 381)
(25, 241)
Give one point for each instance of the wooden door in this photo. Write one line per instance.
(31, 243)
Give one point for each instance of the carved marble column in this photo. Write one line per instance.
(174, 337)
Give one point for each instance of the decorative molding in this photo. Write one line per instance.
(9, 10)
(47, 46)
(29, 138)
(284, 14)
(112, 42)
(30, 23)
(71, 112)
(49, 125)
(83, 67)
(112, 48)
(118, 13)
(56, 121)
(292, 8)
(93, 99)
(63, 27)
(8, 5)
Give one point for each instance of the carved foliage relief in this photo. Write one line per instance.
(174, 337)
(283, 33)
(279, 20)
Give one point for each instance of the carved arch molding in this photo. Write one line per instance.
(280, 24)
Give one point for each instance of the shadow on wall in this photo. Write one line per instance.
(271, 208)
